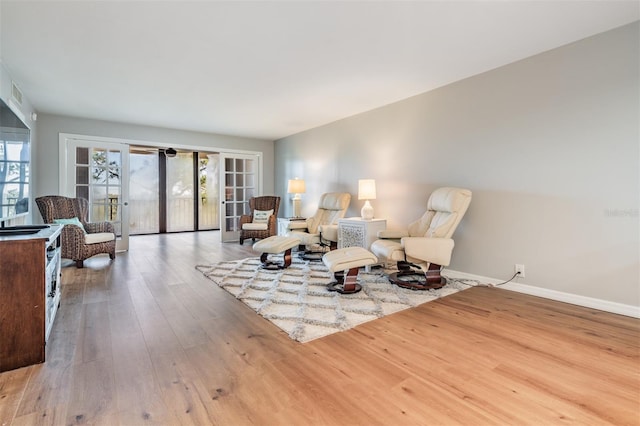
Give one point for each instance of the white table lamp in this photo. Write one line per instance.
(366, 191)
(296, 186)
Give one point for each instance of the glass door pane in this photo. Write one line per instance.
(180, 193)
(144, 191)
(105, 167)
(208, 176)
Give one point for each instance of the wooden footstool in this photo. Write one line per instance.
(275, 245)
(348, 259)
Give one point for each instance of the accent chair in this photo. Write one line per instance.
(422, 250)
(80, 239)
(261, 222)
(331, 207)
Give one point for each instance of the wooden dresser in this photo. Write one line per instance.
(29, 294)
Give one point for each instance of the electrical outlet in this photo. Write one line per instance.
(519, 268)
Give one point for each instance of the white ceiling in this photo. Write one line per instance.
(270, 69)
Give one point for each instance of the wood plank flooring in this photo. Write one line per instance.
(147, 339)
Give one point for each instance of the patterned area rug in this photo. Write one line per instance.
(296, 299)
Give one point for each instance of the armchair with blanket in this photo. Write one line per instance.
(80, 239)
(262, 220)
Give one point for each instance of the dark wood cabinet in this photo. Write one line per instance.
(29, 295)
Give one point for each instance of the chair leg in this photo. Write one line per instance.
(345, 284)
(350, 285)
(287, 258)
(267, 264)
(404, 267)
(433, 277)
(418, 280)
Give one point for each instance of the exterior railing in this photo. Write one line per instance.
(144, 216)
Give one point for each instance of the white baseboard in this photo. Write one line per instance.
(574, 299)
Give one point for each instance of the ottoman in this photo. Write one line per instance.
(348, 259)
(275, 245)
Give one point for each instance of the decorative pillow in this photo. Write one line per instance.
(72, 221)
(261, 216)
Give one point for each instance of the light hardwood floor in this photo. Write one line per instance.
(148, 340)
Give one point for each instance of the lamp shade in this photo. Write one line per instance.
(366, 189)
(296, 186)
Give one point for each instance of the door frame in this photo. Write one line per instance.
(226, 235)
(122, 243)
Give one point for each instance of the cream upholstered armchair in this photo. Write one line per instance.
(331, 207)
(426, 246)
(262, 221)
(80, 239)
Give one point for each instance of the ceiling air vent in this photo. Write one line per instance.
(16, 94)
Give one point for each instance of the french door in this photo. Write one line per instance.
(98, 169)
(240, 179)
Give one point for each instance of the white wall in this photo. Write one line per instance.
(548, 145)
(50, 126)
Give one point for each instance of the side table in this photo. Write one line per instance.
(357, 232)
(283, 224)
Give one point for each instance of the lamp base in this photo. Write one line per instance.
(367, 211)
(296, 206)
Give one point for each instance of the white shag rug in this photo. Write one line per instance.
(296, 299)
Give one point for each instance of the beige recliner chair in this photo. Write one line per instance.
(426, 246)
(331, 207)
